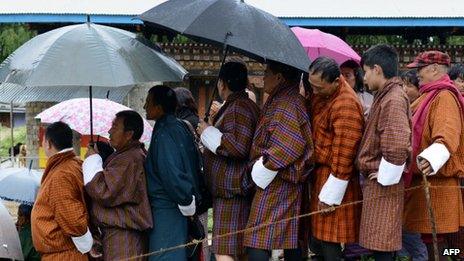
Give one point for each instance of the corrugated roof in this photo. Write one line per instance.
(279, 8)
(19, 94)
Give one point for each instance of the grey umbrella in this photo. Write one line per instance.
(88, 55)
(242, 27)
(231, 24)
(10, 246)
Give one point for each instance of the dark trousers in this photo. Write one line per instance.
(255, 254)
(327, 251)
(383, 256)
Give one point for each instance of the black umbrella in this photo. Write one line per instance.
(231, 24)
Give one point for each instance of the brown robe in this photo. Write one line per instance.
(120, 206)
(387, 135)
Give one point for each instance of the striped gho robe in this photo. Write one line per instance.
(385, 149)
(337, 123)
(226, 159)
(282, 150)
(59, 219)
(119, 204)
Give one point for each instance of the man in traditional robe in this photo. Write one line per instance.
(281, 151)
(118, 190)
(171, 164)
(438, 148)
(384, 151)
(59, 218)
(228, 143)
(337, 124)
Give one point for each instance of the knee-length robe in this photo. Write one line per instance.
(171, 162)
(385, 148)
(337, 123)
(60, 214)
(284, 144)
(226, 167)
(444, 124)
(119, 201)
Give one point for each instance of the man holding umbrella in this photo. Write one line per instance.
(282, 150)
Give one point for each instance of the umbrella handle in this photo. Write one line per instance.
(91, 116)
(224, 55)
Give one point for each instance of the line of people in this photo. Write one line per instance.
(308, 149)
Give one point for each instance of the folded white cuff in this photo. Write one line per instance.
(333, 191)
(188, 210)
(83, 243)
(261, 175)
(91, 166)
(437, 155)
(389, 174)
(211, 138)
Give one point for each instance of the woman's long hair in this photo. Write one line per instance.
(185, 99)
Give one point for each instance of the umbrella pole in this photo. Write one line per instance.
(91, 115)
(224, 55)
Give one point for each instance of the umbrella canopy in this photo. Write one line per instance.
(76, 114)
(242, 27)
(10, 246)
(317, 43)
(20, 185)
(88, 55)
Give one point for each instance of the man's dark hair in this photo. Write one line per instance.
(457, 71)
(411, 77)
(384, 56)
(289, 73)
(165, 97)
(358, 74)
(60, 135)
(328, 68)
(235, 74)
(132, 122)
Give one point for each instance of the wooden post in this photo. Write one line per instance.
(431, 216)
(12, 134)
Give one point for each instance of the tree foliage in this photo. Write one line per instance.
(13, 36)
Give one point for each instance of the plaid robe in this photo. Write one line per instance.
(226, 172)
(446, 202)
(283, 138)
(387, 135)
(119, 203)
(60, 211)
(337, 124)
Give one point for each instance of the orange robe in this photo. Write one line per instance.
(337, 123)
(60, 212)
(444, 124)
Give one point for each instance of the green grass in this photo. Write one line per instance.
(19, 135)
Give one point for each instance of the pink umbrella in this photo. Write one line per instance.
(76, 113)
(317, 43)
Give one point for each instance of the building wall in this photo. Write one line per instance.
(32, 129)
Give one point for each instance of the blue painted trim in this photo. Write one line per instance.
(377, 22)
(68, 18)
(315, 22)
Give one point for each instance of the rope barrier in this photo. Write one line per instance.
(247, 230)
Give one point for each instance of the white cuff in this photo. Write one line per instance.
(437, 155)
(211, 138)
(389, 174)
(261, 175)
(91, 166)
(83, 243)
(188, 210)
(333, 191)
